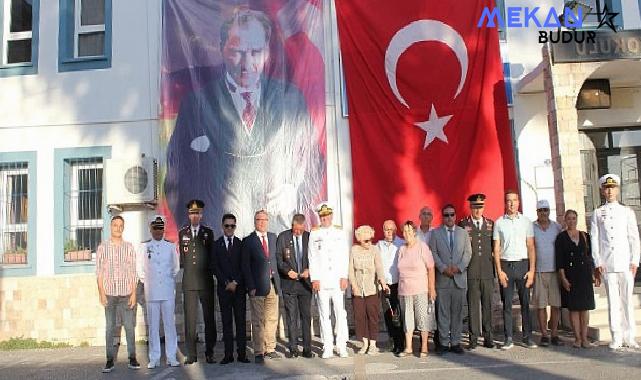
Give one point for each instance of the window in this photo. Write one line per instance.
(593, 19)
(19, 32)
(85, 34)
(84, 222)
(13, 212)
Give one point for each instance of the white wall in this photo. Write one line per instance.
(115, 107)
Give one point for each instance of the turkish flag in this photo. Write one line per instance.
(427, 107)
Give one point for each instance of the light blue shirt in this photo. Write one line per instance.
(512, 234)
(389, 257)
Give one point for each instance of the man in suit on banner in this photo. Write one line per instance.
(452, 251)
(293, 265)
(245, 135)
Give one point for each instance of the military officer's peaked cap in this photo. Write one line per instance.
(195, 206)
(610, 180)
(476, 200)
(324, 209)
(157, 222)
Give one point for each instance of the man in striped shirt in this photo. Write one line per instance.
(116, 272)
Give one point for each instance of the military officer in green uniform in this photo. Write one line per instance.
(196, 243)
(480, 272)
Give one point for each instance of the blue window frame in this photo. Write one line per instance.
(77, 206)
(84, 36)
(18, 217)
(19, 25)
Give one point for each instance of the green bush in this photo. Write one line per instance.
(29, 343)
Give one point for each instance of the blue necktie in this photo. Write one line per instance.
(451, 233)
(299, 254)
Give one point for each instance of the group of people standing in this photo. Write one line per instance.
(422, 281)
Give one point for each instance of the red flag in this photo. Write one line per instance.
(427, 107)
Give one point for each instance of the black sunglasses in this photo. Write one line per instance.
(229, 225)
(448, 214)
(542, 209)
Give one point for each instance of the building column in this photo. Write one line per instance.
(562, 83)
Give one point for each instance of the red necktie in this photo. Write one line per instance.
(249, 113)
(265, 248)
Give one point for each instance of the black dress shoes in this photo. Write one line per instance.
(308, 354)
(457, 349)
(243, 359)
(488, 343)
(293, 354)
(472, 345)
(227, 359)
(210, 359)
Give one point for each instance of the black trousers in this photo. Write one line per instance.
(479, 291)
(395, 333)
(297, 308)
(515, 270)
(206, 299)
(233, 310)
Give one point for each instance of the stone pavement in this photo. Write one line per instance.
(518, 363)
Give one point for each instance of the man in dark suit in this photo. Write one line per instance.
(196, 243)
(293, 266)
(227, 265)
(245, 135)
(480, 272)
(451, 249)
(263, 284)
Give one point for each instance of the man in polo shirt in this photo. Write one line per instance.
(116, 272)
(515, 260)
(546, 286)
(615, 250)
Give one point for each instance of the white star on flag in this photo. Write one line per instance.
(434, 127)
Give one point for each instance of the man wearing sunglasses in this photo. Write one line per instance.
(452, 250)
(232, 296)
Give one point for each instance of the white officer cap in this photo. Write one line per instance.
(542, 203)
(609, 180)
(324, 209)
(157, 221)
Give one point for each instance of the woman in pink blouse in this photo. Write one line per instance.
(416, 288)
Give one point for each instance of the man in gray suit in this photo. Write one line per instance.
(452, 251)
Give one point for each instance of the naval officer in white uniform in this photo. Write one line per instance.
(615, 249)
(157, 265)
(328, 270)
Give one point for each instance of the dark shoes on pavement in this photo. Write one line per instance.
(133, 364)
(457, 349)
(308, 354)
(227, 359)
(109, 366)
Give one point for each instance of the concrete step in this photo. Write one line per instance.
(600, 317)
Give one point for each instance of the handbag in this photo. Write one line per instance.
(395, 315)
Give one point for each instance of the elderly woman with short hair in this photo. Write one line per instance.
(416, 288)
(365, 274)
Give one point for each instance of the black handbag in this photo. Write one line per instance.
(395, 315)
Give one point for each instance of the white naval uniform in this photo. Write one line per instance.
(328, 264)
(615, 245)
(157, 265)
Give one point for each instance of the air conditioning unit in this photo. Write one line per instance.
(131, 181)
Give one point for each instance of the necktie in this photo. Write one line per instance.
(478, 224)
(249, 113)
(265, 248)
(228, 243)
(299, 254)
(451, 233)
(194, 231)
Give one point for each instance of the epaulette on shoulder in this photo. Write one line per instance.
(185, 227)
(337, 226)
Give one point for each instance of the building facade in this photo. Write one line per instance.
(81, 92)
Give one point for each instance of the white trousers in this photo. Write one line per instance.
(619, 286)
(156, 309)
(337, 297)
